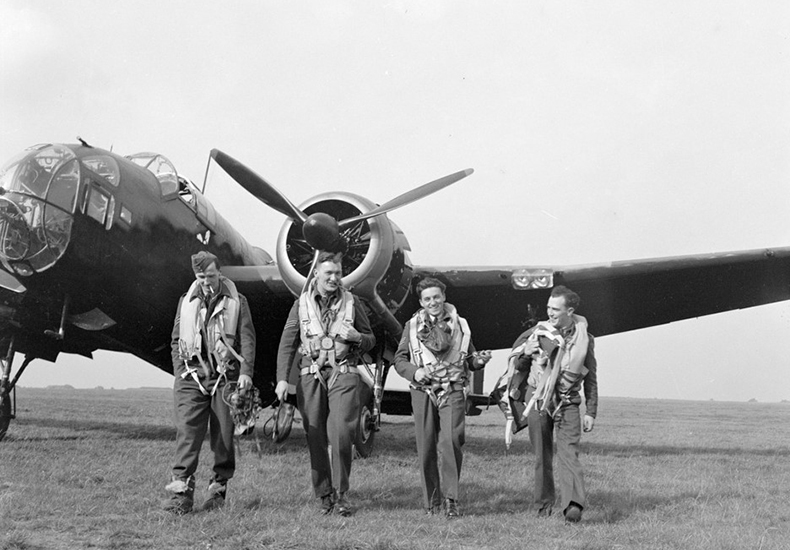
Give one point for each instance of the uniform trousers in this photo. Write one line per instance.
(330, 417)
(569, 468)
(194, 413)
(440, 438)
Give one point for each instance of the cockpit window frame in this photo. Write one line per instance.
(97, 209)
(44, 166)
(104, 166)
(168, 179)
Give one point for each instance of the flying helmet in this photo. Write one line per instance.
(283, 418)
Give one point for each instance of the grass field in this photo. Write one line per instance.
(86, 469)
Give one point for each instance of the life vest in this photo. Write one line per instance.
(219, 331)
(446, 370)
(553, 386)
(559, 376)
(569, 358)
(325, 345)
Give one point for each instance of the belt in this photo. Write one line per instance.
(342, 369)
(315, 370)
(439, 394)
(454, 386)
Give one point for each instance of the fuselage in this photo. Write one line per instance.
(111, 238)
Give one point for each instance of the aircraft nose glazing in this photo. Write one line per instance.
(14, 232)
(38, 194)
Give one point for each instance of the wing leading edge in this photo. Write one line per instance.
(621, 296)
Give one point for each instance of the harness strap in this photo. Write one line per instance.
(233, 352)
(222, 376)
(206, 368)
(193, 372)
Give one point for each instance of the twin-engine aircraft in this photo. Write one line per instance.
(95, 251)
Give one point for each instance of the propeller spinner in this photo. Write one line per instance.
(321, 231)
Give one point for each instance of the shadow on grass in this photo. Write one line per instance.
(612, 507)
(637, 450)
(396, 439)
(516, 499)
(494, 446)
(125, 430)
(64, 430)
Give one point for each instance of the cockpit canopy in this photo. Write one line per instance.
(160, 167)
(39, 190)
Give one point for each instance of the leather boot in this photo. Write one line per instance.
(183, 494)
(217, 492)
(451, 508)
(342, 506)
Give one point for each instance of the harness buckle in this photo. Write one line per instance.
(327, 343)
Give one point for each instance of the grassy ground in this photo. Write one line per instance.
(86, 469)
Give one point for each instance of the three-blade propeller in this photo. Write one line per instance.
(320, 230)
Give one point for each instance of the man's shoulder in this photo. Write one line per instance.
(181, 299)
(349, 295)
(527, 333)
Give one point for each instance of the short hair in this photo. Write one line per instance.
(430, 282)
(572, 300)
(203, 260)
(334, 257)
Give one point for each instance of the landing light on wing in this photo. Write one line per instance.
(532, 278)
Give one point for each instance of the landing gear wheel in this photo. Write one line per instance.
(5, 414)
(364, 439)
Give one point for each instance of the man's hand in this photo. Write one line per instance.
(281, 391)
(531, 346)
(245, 382)
(353, 335)
(483, 357)
(420, 376)
(589, 422)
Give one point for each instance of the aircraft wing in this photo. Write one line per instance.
(618, 296)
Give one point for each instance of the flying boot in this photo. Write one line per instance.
(217, 491)
(180, 502)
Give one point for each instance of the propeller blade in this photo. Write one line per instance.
(259, 187)
(409, 197)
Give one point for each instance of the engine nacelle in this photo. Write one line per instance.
(375, 266)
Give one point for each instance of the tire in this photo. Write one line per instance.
(5, 414)
(365, 437)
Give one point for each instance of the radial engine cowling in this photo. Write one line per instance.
(375, 266)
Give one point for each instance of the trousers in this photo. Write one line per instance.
(569, 469)
(440, 438)
(194, 414)
(330, 417)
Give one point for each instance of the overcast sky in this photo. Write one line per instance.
(621, 129)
